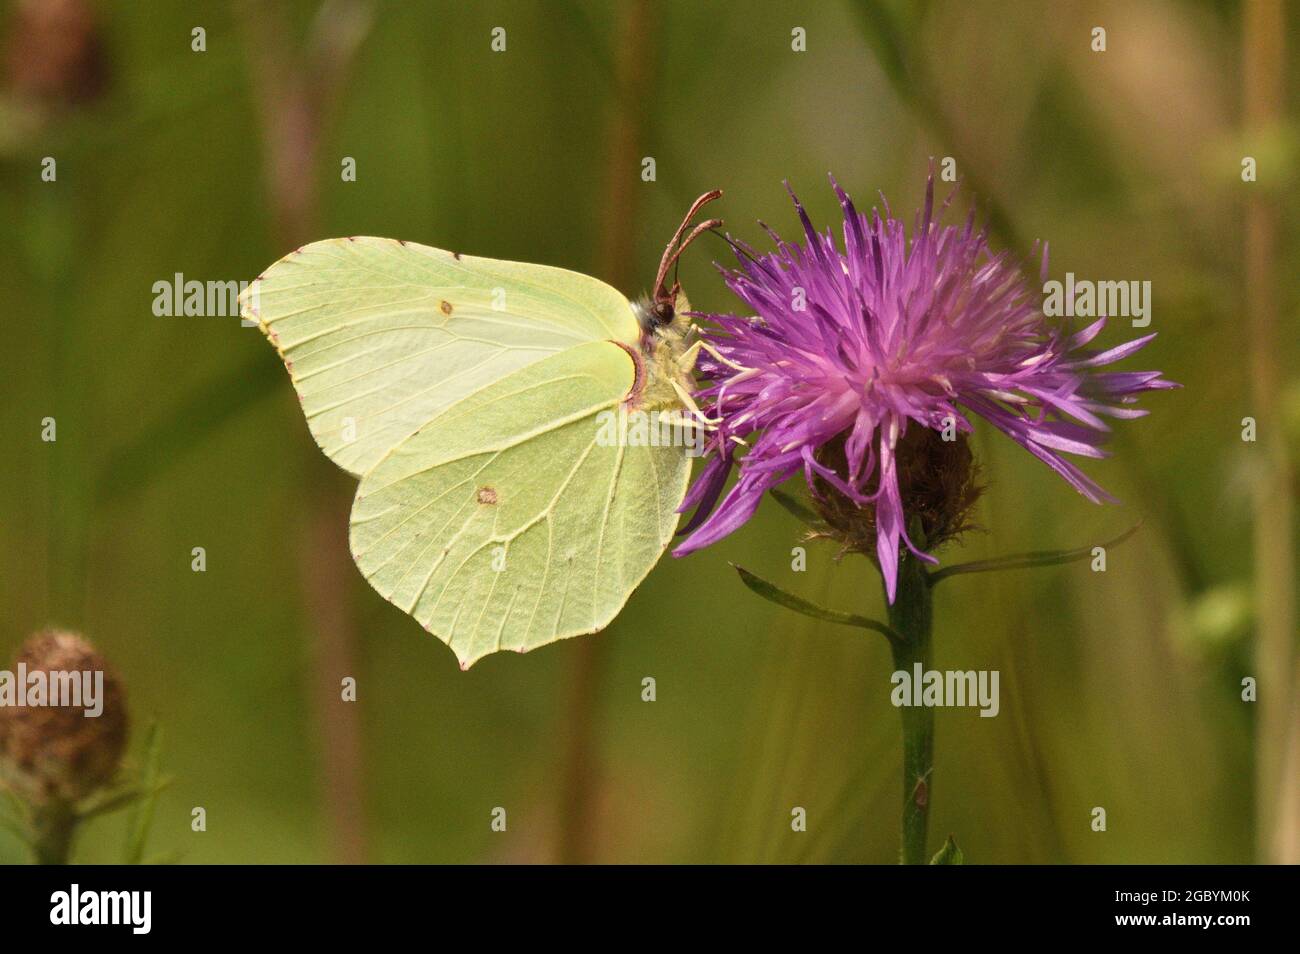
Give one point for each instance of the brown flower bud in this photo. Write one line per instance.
(937, 480)
(57, 752)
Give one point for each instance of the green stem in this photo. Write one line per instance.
(910, 617)
(53, 827)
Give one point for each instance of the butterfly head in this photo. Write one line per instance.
(661, 312)
(662, 317)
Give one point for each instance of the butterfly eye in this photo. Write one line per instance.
(662, 312)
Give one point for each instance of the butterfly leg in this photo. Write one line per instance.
(691, 354)
(702, 418)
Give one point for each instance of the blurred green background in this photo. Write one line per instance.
(1119, 689)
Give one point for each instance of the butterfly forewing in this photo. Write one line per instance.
(379, 335)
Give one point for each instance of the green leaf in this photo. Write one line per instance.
(151, 783)
(17, 805)
(798, 509)
(16, 828)
(1019, 561)
(773, 593)
(110, 802)
(15, 816)
(949, 854)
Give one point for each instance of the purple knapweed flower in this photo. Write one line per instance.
(853, 347)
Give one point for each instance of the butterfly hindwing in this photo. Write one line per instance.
(508, 522)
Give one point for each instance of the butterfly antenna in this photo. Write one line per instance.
(707, 226)
(677, 244)
(737, 247)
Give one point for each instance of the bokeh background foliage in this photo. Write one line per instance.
(1119, 689)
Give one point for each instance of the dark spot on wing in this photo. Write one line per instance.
(445, 307)
(486, 495)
